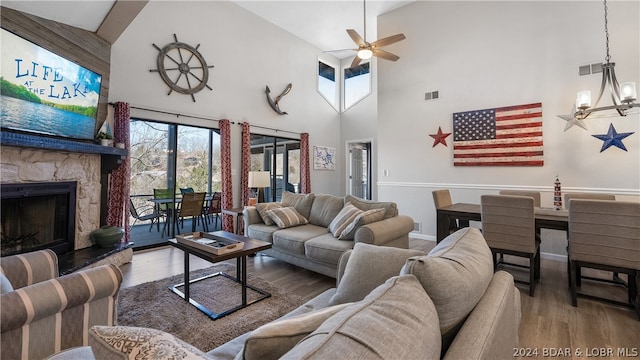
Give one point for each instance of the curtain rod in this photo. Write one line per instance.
(206, 118)
(269, 128)
(172, 113)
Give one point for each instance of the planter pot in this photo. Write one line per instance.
(107, 236)
(106, 142)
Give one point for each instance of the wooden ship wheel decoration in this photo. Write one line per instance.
(182, 68)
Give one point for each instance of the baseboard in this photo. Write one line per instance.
(554, 257)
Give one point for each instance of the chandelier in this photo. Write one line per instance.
(623, 95)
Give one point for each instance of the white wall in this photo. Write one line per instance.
(248, 53)
(492, 54)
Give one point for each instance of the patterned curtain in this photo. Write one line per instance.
(118, 192)
(245, 167)
(305, 174)
(227, 186)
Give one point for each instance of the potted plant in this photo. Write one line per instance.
(105, 139)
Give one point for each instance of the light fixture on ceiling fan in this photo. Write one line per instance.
(622, 95)
(366, 49)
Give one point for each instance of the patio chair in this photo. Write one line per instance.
(215, 207)
(154, 216)
(192, 205)
(164, 208)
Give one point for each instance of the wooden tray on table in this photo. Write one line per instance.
(210, 243)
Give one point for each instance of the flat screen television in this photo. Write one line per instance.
(44, 93)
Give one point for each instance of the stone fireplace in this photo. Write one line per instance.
(26, 165)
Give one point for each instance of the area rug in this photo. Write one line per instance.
(153, 305)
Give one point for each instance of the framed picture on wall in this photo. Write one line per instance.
(324, 158)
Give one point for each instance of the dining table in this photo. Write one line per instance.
(545, 218)
(172, 215)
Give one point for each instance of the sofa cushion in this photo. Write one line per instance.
(123, 342)
(455, 274)
(390, 208)
(325, 207)
(263, 209)
(274, 339)
(364, 218)
(326, 248)
(286, 217)
(5, 285)
(343, 219)
(369, 266)
(292, 240)
(395, 321)
(302, 202)
(262, 232)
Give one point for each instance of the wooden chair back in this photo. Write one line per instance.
(533, 194)
(508, 222)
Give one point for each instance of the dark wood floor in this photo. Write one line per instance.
(549, 322)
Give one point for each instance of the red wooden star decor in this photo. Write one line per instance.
(439, 137)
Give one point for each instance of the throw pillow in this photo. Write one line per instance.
(343, 219)
(395, 321)
(263, 208)
(272, 340)
(390, 208)
(455, 274)
(123, 342)
(368, 267)
(5, 284)
(367, 217)
(286, 217)
(302, 202)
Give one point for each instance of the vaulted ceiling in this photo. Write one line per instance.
(319, 22)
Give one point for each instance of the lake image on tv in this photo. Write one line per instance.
(20, 114)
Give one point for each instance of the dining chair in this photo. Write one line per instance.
(508, 226)
(586, 196)
(442, 198)
(191, 206)
(154, 216)
(534, 194)
(605, 235)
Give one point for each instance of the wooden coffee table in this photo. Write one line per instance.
(251, 246)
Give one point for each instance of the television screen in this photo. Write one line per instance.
(44, 93)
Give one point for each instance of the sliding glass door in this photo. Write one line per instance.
(281, 157)
(173, 157)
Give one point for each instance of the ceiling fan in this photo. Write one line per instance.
(367, 49)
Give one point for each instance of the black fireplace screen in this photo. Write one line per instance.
(38, 216)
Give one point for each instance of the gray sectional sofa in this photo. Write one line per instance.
(389, 303)
(312, 244)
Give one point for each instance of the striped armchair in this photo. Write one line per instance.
(43, 314)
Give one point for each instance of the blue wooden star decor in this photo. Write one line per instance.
(612, 137)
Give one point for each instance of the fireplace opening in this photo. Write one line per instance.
(37, 216)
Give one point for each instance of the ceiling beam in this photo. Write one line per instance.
(120, 16)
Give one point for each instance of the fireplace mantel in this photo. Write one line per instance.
(111, 156)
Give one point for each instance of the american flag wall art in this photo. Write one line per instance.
(507, 136)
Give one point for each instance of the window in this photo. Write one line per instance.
(357, 84)
(281, 157)
(327, 85)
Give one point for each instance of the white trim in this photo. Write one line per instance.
(633, 192)
(554, 257)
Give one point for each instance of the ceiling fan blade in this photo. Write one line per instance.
(356, 37)
(388, 40)
(385, 55)
(355, 62)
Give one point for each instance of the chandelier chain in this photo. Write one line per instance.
(606, 31)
